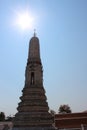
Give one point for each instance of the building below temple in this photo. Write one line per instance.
(71, 121)
(75, 121)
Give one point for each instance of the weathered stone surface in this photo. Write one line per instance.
(33, 109)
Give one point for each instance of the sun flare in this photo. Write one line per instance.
(24, 20)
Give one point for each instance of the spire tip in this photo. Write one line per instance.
(34, 32)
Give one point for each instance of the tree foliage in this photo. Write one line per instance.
(2, 116)
(9, 118)
(64, 109)
(52, 112)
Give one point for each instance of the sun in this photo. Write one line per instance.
(24, 20)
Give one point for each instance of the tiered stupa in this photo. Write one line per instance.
(33, 111)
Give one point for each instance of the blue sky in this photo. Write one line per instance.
(61, 26)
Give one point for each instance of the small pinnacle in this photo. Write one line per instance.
(34, 32)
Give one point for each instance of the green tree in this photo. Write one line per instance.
(2, 116)
(52, 112)
(9, 118)
(64, 109)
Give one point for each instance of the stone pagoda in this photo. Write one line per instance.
(33, 109)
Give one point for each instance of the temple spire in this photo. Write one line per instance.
(33, 110)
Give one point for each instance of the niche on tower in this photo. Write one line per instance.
(32, 78)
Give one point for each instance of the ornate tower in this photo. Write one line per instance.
(33, 109)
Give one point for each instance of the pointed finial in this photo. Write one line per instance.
(34, 32)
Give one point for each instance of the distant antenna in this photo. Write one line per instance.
(34, 32)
